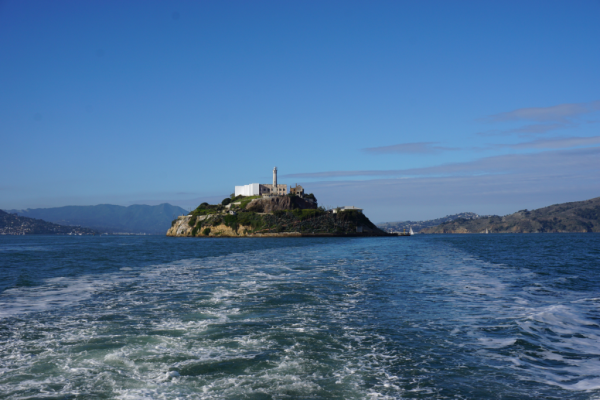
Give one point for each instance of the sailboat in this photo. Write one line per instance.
(410, 232)
(486, 231)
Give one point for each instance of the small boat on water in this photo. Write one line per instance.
(410, 232)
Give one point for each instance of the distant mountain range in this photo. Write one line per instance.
(578, 216)
(417, 226)
(110, 218)
(12, 224)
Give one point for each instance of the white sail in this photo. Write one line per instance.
(410, 232)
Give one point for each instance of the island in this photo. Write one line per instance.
(269, 210)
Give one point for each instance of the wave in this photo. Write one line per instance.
(542, 332)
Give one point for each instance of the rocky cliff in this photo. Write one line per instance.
(279, 203)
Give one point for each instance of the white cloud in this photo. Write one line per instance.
(541, 162)
(558, 113)
(409, 148)
(555, 143)
(547, 119)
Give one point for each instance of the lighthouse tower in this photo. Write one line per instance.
(275, 180)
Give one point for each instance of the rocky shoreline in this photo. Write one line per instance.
(250, 220)
(185, 226)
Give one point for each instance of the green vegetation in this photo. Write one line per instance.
(226, 201)
(356, 217)
(206, 231)
(253, 220)
(207, 209)
(303, 215)
(231, 221)
(245, 200)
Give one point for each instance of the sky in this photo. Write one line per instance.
(411, 110)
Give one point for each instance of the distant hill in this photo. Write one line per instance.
(110, 218)
(417, 226)
(12, 224)
(579, 216)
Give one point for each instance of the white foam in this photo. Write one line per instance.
(496, 343)
(193, 316)
(557, 321)
(56, 292)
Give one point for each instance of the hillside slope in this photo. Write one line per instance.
(111, 218)
(417, 226)
(579, 216)
(11, 224)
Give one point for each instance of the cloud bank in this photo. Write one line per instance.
(554, 143)
(558, 113)
(542, 162)
(546, 119)
(498, 184)
(409, 148)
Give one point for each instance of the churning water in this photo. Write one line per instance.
(472, 316)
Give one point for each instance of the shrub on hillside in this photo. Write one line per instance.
(310, 196)
(307, 213)
(589, 213)
(355, 217)
(250, 219)
(231, 221)
(205, 209)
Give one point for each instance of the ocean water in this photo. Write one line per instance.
(444, 317)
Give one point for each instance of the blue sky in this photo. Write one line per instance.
(411, 110)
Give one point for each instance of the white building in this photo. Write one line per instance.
(252, 189)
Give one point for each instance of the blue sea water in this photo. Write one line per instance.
(445, 317)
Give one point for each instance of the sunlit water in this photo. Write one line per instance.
(471, 316)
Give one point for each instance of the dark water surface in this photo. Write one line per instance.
(454, 316)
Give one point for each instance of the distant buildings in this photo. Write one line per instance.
(297, 190)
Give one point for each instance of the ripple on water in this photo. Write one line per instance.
(410, 319)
